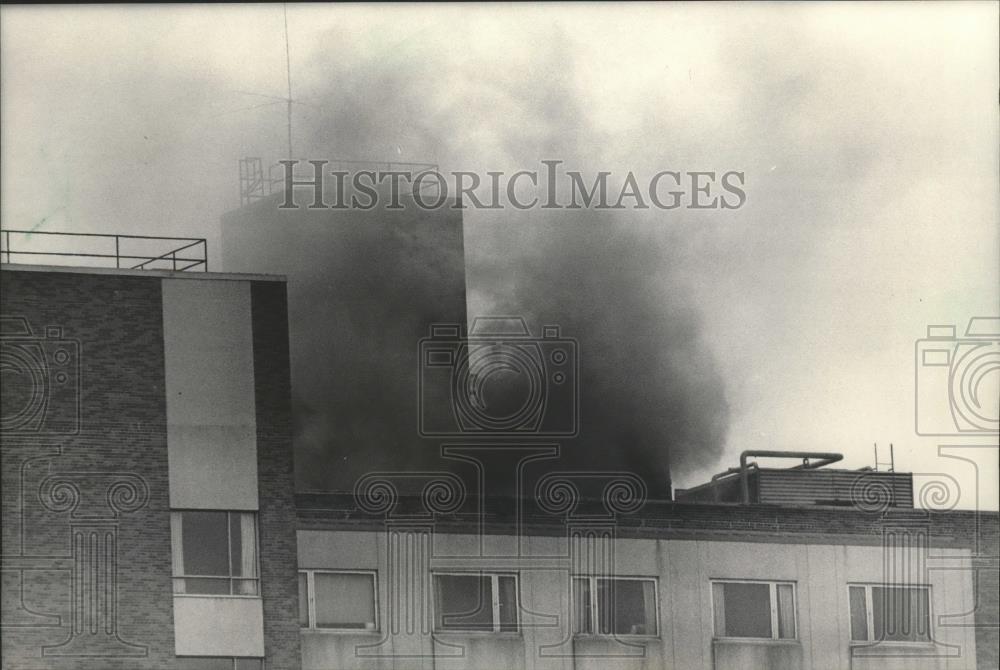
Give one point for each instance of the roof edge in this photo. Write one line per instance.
(128, 272)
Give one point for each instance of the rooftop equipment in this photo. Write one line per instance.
(808, 483)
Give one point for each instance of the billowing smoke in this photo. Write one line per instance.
(154, 151)
(651, 396)
(142, 136)
(363, 288)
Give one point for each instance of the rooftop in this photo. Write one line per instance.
(72, 269)
(796, 524)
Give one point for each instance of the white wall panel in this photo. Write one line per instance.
(211, 419)
(218, 626)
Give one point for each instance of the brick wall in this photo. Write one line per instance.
(279, 567)
(107, 484)
(987, 564)
(109, 478)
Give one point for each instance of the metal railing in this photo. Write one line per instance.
(193, 253)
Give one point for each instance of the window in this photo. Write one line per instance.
(886, 613)
(337, 600)
(214, 553)
(622, 606)
(476, 602)
(218, 663)
(754, 609)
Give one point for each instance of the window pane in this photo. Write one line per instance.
(900, 613)
(345, 601)
(245, 587)
(920, 613)
(883, 612)
(719, 608)
(508, 602)
(605, 614)
(243, 527)
(207, 586)
(747, 609)
(235, 546)
(303, 600)
(786, 611)
(859, 614)
(626, 606)
(581, 607)
(177, 550)
(206, 543)
(649, 607)
(464, 602)
(204, 663)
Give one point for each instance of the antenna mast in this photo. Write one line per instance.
(253, 183)
(288, 73)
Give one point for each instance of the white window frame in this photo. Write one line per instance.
(495, 594)
(773, 595)
(595, 610)
(311, 600)
(229, 558)
(870, 612)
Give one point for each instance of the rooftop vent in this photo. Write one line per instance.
(808, 483)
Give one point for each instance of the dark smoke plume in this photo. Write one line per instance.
(652, 398)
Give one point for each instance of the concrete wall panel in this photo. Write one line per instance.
(211, 419)
(206, 626)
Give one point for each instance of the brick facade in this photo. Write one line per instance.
(88, 503)
(117, 322)
(105, 486)
(279, 574)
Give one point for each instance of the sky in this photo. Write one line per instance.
(868, 135)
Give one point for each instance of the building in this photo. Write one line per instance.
(148, 513)
(668, 585)
(150, 522)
